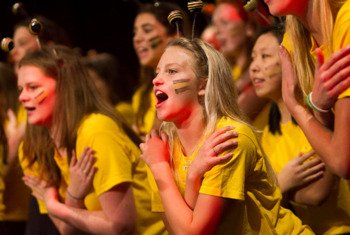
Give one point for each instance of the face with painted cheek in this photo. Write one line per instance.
(265, 69)
(176, 87)
(24, 42)
(287, 7)
(37, 94)
(231, 32)
(150, 39)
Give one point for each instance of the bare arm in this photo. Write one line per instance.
(332, 146)
(117, 215)
(316, 192)
(180, 218)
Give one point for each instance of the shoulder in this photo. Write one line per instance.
(341, 30)
(246, 136)
(97, 122)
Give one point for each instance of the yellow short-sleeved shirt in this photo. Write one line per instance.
(125, 109)
(150, 115)
(282, 148)
(246, 179)
(333, 216)
(117, 161)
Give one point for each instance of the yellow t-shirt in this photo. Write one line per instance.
(333, 216)
(282, 148)
(125, 109)
(117, 161)
(150, 115)
(247, 179)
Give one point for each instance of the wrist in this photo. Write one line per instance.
(73, 196)
(313, 106)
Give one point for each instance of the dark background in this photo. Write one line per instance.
(103, 25)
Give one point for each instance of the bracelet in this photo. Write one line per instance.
(313, 106)
(74, 197)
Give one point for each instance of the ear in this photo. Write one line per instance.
(202, 85)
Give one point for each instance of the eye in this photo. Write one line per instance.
(148, 29)
(32, 87)
(264, 56)
(172, 71)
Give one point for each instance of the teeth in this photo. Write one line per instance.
(158, 93)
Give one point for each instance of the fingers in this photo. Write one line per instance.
(285, 58)
(86, 158)
(335, 57)
(73, 161)
(220, 132)
(11, 116)
(228, 145)
(307, 155)
(164, 137)
(314, 172)
(313, 168)
(319, 57)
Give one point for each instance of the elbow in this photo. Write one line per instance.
(341, 165)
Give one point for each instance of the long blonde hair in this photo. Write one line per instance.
(220, 93)
(303, 61)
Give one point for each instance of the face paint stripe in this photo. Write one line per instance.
(155, 42)
(182, 89)
(41, 96)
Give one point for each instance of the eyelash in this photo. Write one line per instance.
(171, 71)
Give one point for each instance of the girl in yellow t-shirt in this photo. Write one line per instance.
(206, 187)
(65, 118)
(315, 31)
(152, 32)
(317, 196)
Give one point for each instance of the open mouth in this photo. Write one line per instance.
(29, 109)
(161, 96)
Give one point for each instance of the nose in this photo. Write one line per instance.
(254, 67)
(138, 37)
(157, 80)
(23, 96)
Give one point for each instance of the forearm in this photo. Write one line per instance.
(179, 215)
(326, 119)
(320, 138)
(317, 192)
(74, 219)
(193, 184)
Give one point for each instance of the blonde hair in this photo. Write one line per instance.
(304, 63)
(220, 93)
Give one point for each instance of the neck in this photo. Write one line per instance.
(311, 20)
(190, 131)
